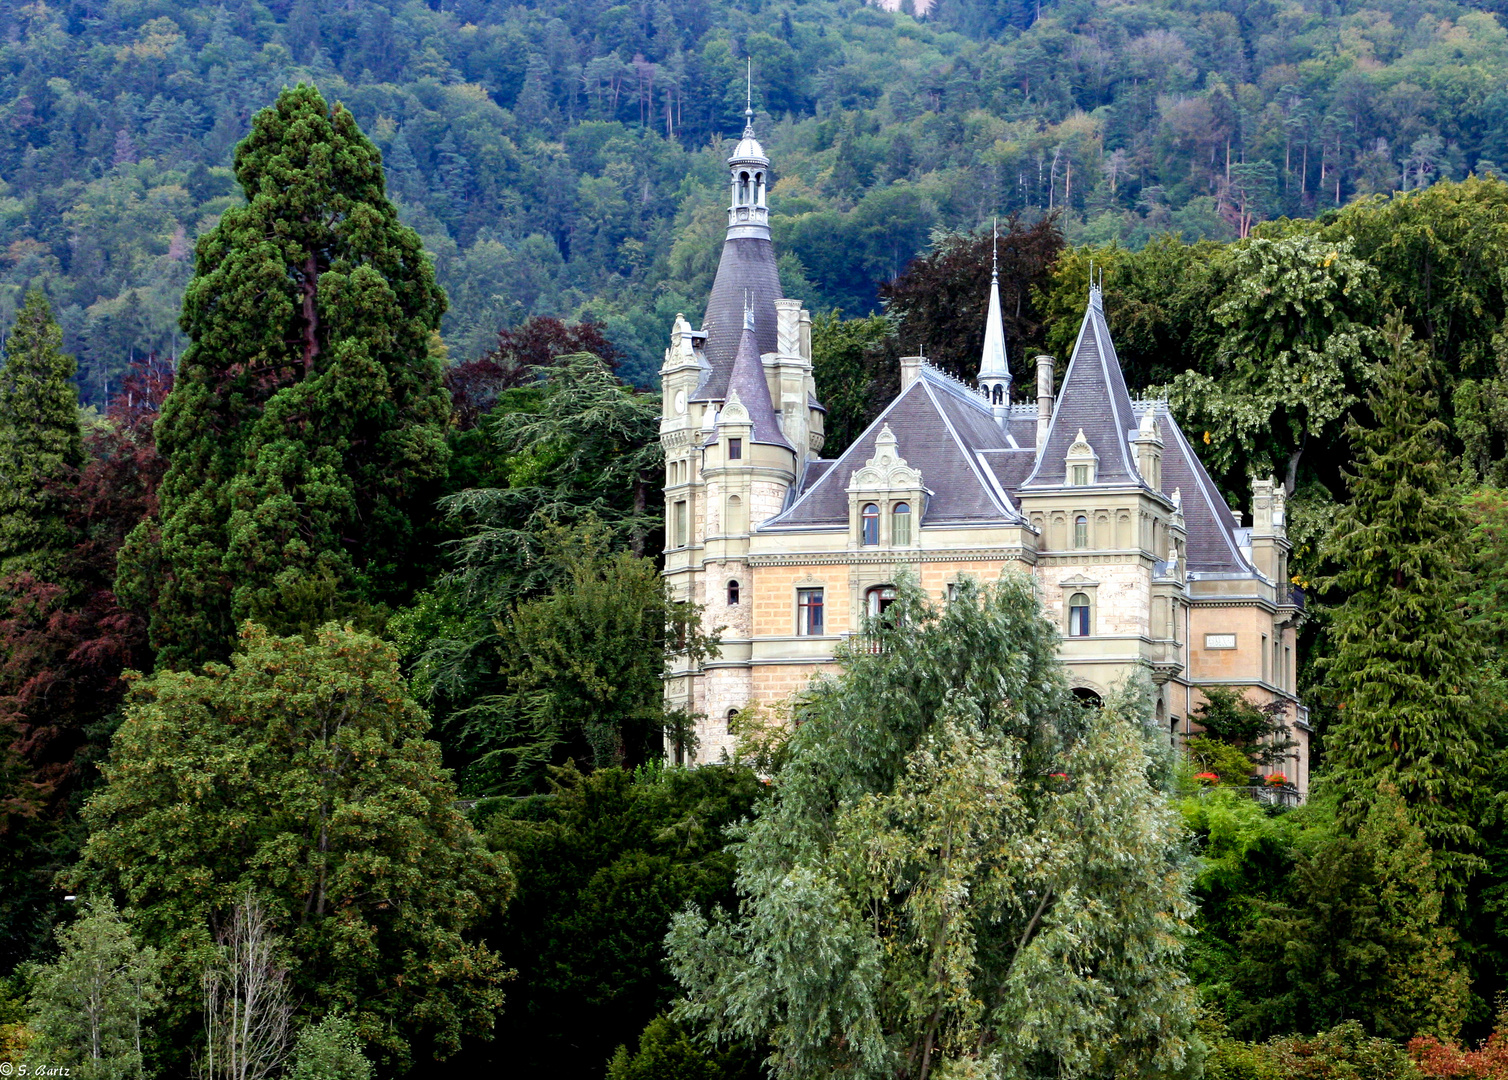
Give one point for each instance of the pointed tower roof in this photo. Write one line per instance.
(992, 364)
(747, 267)
(1094, 400)
(746, 382)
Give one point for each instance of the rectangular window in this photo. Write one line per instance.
(1080, 475)
(1266, 672)
(809, 612)
(682, 536)
(735, 449)
(1287, 669)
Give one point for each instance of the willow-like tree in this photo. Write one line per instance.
(41, 447)
(960, 872)
(308, 416)
(1405, 668)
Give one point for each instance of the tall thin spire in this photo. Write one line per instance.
(994, 371)
(749, 99)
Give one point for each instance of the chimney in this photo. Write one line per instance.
(1044, 400)
(911, 367)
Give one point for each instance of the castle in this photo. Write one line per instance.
(1098, 497)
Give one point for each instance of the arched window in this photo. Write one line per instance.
(758, 188)
(1081, 531)
(1087, 697)
(1078, 615)
(900, 524)
(732, 594)
(869, 525)
(997, 395)
(731, 717)
(743, 187)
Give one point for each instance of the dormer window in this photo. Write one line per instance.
(869, 525)
(885, 498)
(1081, 461)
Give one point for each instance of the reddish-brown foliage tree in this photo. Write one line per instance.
(939, 301)
(65, 643)
(537, 342)
(1447, 1061)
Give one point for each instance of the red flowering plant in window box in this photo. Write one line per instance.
(1277, 779)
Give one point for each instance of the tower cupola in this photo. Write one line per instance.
(749, 212)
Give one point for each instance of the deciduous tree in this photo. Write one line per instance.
(960, 871)
(301, 772)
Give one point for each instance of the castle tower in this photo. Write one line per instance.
(740, 421)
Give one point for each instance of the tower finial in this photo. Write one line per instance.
(995, 254)
(749, 96)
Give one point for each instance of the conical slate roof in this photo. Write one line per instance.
(746, 269)
(747, 381)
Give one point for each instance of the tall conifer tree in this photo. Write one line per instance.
(1404, 669)
(41, 447)
(308, 416)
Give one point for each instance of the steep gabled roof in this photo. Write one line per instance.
(1094, 399)
(942, 428)
(1212, 546)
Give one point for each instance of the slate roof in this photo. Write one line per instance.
(747, 267)
(1211, 525)
(747, 378)
(1093, 399)
(941, 429)
(974, 471)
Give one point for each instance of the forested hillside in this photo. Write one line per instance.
(565, 158)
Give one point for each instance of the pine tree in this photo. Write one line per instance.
(1405, 668)
(41, 446)
(308, 416)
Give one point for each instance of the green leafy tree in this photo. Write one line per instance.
(584, 666)
(308, 417)
(1357, 934)
(960, 870)
(850, 362)
(330, 1050)
(1257, 731)
(603, 863)
(41, 446)
(1291, 356)
(667, 1051)
(88, 1005)
(1405, 667)
(301, 773)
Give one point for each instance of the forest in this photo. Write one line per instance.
(332, 736)
(564, 159)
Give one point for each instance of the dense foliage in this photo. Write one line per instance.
(559, 159)
(415, 303)
(302, 771)
(603, 862)
(959, 869)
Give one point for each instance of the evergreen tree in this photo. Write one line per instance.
(308, 416)
(41, 446)
(1405, 667)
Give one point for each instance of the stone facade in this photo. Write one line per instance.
(1099, 498)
